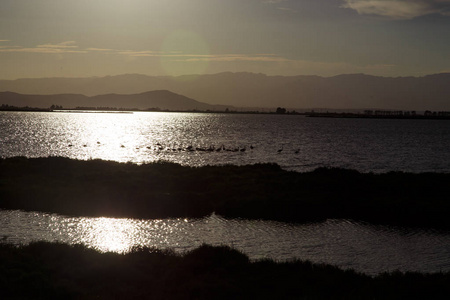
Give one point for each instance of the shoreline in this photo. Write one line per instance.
(261, 191)
(386, 115)
(382, 117)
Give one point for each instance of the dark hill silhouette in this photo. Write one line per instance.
(350, 91)
(162, 99)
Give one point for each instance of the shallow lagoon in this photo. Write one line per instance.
(305, 143)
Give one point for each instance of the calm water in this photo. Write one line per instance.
(306, 143)
(294, 142)
(366, 248)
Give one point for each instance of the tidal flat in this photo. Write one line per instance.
(259, 191)
(58, 271)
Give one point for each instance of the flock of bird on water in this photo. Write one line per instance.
(190, 148)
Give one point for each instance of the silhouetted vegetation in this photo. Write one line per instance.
(6, 107)
(281, 110)
(53, 107)
(57, 271)
(261, 191)
(385, 114)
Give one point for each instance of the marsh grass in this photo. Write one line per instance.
(57, 271)
(261, 191)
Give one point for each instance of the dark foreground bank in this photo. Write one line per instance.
(57, 271)
(262, 191)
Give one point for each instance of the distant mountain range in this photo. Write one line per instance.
(162, 99)
(354, 91)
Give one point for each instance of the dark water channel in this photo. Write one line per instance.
(365, 248)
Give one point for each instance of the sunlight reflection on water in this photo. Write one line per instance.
(366, 248)
(106, 234)
(307, 143)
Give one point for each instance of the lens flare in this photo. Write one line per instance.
(181, 50)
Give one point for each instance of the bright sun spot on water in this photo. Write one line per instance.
(108, 234)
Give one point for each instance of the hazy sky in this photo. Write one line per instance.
(79, 38)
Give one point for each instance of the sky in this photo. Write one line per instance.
(84, 38)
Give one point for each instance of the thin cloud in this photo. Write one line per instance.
(40, 50)
(399, 9)
(134, 53)
(235, 57)
(287, 9)
(64, 47)
(278, 62)
(4, 40)
(100, 50)
(186, 57)
(71, 47)
(276, 2)
(9, 47)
